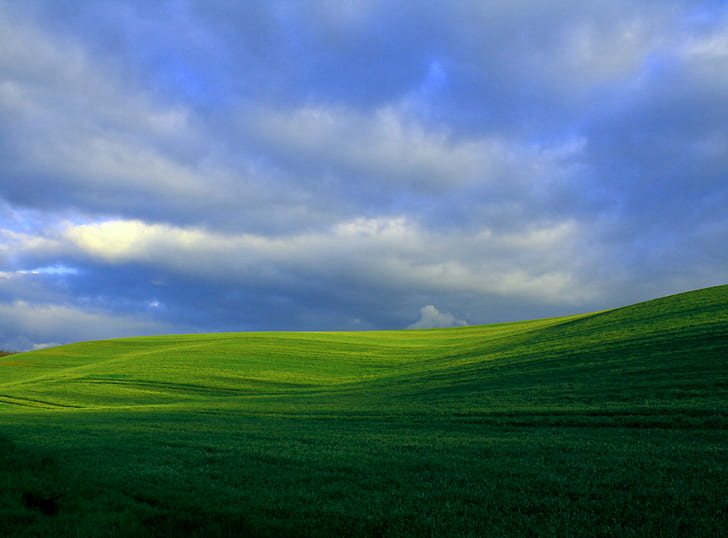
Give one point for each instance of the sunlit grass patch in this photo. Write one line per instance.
(610, 424)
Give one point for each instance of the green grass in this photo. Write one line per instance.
(606, 424)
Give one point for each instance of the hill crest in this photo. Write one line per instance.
(656, 352)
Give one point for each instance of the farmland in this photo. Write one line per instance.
(611, 423)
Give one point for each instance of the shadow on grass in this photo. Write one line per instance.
(196, 525)
(30, 488)
(39, 496)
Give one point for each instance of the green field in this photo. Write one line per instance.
(606, 424)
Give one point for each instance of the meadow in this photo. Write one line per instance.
(611, 423)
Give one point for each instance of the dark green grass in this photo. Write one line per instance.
(136, 474)
(605, 424)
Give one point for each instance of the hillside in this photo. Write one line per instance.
(612, 423)
(665, 352)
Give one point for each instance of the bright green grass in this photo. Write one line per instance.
(605, 424)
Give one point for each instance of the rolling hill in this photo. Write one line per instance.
(520, 428)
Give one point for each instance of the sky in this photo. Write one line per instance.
(191, 166)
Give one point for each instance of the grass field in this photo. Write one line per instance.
(606, 424)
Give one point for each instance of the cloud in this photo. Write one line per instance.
(365, 252)
(212, 166)
(382, 147)
(32, 326)
(432, 318)
(330, 279)
(77, 122)
(389, 161)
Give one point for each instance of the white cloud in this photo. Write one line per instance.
(568, 47)
(514, 156)
(386, 146)
(382, 253)
(49, 77)
(711, 45)
(13, 244)
(45, 345)
(32, 325)
(706, 58)
(432, 318)
(602, 51)
(81, 127)
(389, 158)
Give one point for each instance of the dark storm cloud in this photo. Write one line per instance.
(199, 166)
